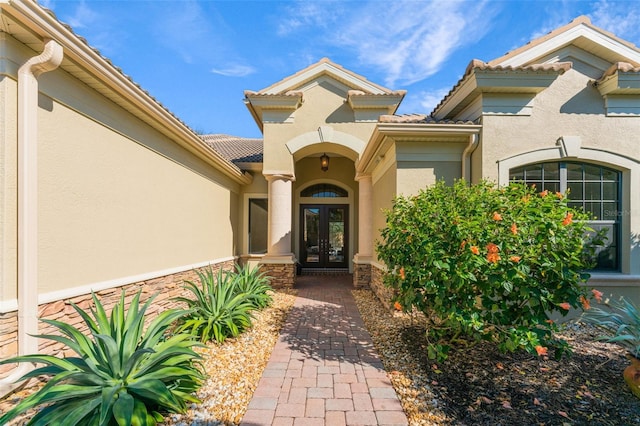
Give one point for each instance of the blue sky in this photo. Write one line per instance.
(198, 57)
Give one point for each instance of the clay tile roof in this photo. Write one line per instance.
(236, 149)
(478, 65)
(619, 67)
(418, 119)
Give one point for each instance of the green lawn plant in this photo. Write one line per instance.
(488, 263)
(254, 283)
(216, 309)
(124, 373)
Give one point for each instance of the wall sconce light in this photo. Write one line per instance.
(324, 162)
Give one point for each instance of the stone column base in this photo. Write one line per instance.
(361, 275)
(281, 270)
(384, 293)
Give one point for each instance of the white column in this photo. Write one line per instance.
(279, 223)
(365, 218)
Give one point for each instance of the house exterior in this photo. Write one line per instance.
(103, 189)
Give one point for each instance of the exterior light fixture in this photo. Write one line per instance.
(324, 162)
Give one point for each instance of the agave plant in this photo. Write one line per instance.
(254, 284)
(621, 323)
(217, 310)
(124, 374)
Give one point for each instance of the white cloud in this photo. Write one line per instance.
(620, 18)
(234, 70)
(423, 102)
(83, 16)
(407, 40)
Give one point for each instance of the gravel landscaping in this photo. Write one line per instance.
(235, 367)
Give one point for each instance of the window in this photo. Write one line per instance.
(258, 225)
(324, 190)
(591, 187)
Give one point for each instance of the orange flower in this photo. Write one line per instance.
(585, 303)
(497, 216)
(492, 248)
(549, 321)
(514, 228)
(567, 219)
(526, 198)
(559, 195)
(541, 350)
(515, 258)
(565, 306)
(402, 274)
(463, 244)
(597, 295)
(493, 257)
(397, 306)
(544, 193)
(474, 250)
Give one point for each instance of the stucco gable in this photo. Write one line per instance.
(321, 68)
(580, 33)
(279, 102)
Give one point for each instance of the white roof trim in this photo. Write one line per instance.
(328, 68)
(531, 55)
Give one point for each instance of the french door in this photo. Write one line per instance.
(324, 235)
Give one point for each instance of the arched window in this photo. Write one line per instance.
(324, 190)
(594, 188)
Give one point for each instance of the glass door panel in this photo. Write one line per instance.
(323, 236)
(336, 231)
(310, 236)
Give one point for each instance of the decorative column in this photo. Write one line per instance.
(279, 263)
(362, 260)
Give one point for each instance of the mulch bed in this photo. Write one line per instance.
(479, 385)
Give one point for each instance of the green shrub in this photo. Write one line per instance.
(255, 284)
(621, 323)
(217, 310)
(124, 374)
(487, 263)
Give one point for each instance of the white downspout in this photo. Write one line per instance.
(28, 74)
(466, 156)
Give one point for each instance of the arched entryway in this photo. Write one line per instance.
(325, 214)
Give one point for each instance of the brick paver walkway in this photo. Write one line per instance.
(324, 369)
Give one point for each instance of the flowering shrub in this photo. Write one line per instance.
(488, 263)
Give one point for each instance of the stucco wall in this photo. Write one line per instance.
(118, 200)
(384, 190)
(324, 105)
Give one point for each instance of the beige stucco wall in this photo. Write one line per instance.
(118, 200)
(324, 105)
(385, 182)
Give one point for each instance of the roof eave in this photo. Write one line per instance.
(385, 134)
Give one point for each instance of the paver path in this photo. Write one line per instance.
(323, 369)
